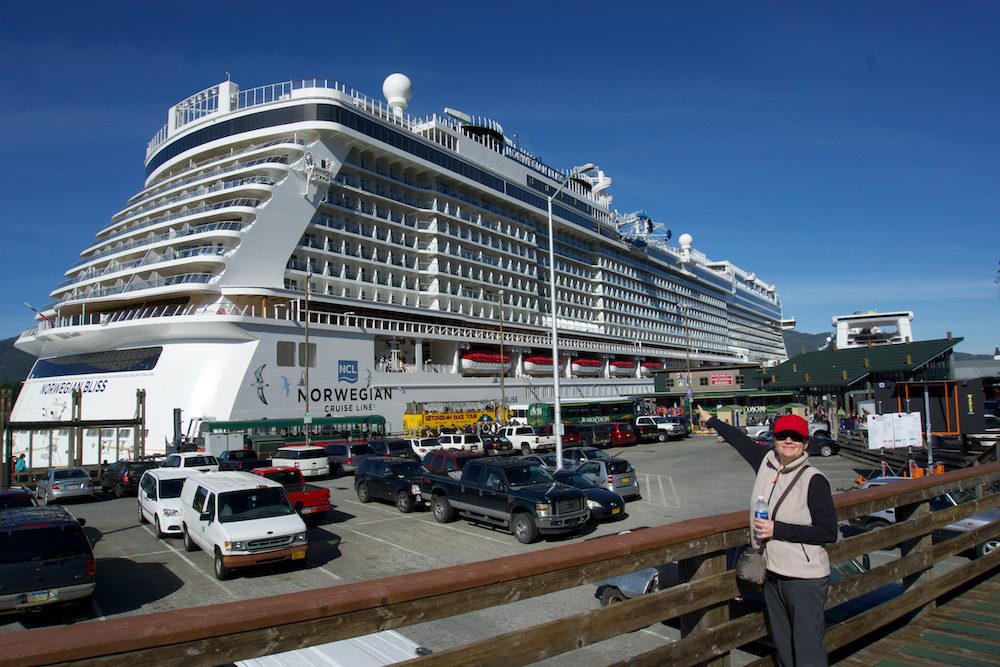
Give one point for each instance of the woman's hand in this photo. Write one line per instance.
(763, 529)
(703, 416)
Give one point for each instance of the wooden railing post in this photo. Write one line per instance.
(702, 620)
(916, 546)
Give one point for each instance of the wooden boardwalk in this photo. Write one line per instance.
(963, 631)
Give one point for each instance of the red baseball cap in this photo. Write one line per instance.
(792, 423)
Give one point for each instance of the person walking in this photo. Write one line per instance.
(798, 568)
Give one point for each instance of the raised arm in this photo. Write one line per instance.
(751, 452)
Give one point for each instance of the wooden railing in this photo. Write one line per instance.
(247, 628)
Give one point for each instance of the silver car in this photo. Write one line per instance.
(612, 474)
(950, 499)
(64, 483)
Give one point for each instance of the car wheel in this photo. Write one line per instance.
(119, 490)
(156, 526)
(526, 449)
(221, 571)
(525, 529)
(404, 502)
(443, 512)
(826, 450)
(662, 437)
(142, 519)
(611, 595)
(338, 471)
(364, 495)
(188, 544)
(987, 547)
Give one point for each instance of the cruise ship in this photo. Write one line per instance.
(301, 246)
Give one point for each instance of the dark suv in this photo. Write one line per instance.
(45, 558)
(392, 447)
(18, 496)
(592, 435)
(345, 457)
(123, 476)
(389, 478)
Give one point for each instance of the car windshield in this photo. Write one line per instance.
(200, 461)
(69, 474)
(42, 544)
(171, 488)
(526, 474)
(404, 470)
(16, 500)
(575, 479)
(284, 476)
(300, 454)
(253, 504)
(598, 454)
(961, 496)
(618, 467)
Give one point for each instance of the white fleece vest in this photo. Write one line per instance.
(789, 559)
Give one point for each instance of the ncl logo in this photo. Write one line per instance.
(347, 371)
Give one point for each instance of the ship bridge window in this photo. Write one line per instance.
(286, 353)
(114, 361)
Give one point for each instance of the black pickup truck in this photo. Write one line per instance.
(241, 459)
(515, 494)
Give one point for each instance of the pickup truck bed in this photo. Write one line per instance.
(309, 500)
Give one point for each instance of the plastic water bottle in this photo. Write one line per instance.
(760, 508)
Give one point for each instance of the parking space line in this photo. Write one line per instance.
(415, 553)
(194, 566)
(465, 532)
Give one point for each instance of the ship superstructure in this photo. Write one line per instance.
(404, 245)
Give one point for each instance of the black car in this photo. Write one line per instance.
(389, 478)
(45, 558)
(18, 496)
(122, 477)
(495, 444)
(819, 445)
(392, 447)
(603, 504)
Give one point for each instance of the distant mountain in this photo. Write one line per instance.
(14, 364)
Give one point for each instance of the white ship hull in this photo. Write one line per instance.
(405, 241)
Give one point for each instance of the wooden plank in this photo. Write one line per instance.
(943, 657)
(961, 642)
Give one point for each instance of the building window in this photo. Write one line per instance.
(703, 382)
(286, 353)
(311, 355)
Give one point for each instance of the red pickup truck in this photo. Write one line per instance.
(309, 500)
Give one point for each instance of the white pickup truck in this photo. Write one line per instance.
(525, 439)
(658, 428)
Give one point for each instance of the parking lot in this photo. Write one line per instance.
(138, 573)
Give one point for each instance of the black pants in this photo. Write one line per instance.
(795, 617)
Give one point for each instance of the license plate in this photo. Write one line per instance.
(298, 555)
(616, 510)
(626, 480)
(37, 596)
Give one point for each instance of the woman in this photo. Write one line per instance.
(798, 569)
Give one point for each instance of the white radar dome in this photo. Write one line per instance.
(397, 89)
(685, 240)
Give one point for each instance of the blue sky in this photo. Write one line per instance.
(847, 152)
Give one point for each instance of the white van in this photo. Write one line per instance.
(241, 519)
(310, 460)
(160, 498)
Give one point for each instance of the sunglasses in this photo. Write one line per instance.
(794, 435)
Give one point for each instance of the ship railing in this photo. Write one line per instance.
(201, 191)
(169, 281)
(115, 267)
(170, 217)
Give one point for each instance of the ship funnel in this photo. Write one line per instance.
(397, 89)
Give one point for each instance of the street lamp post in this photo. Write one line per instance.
(503, 367)
(307, 418)
(687, 356)
(557, 403)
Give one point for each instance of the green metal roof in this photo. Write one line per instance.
(846, 368)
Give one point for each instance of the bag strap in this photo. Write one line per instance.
(787, 489)
(781, 498)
